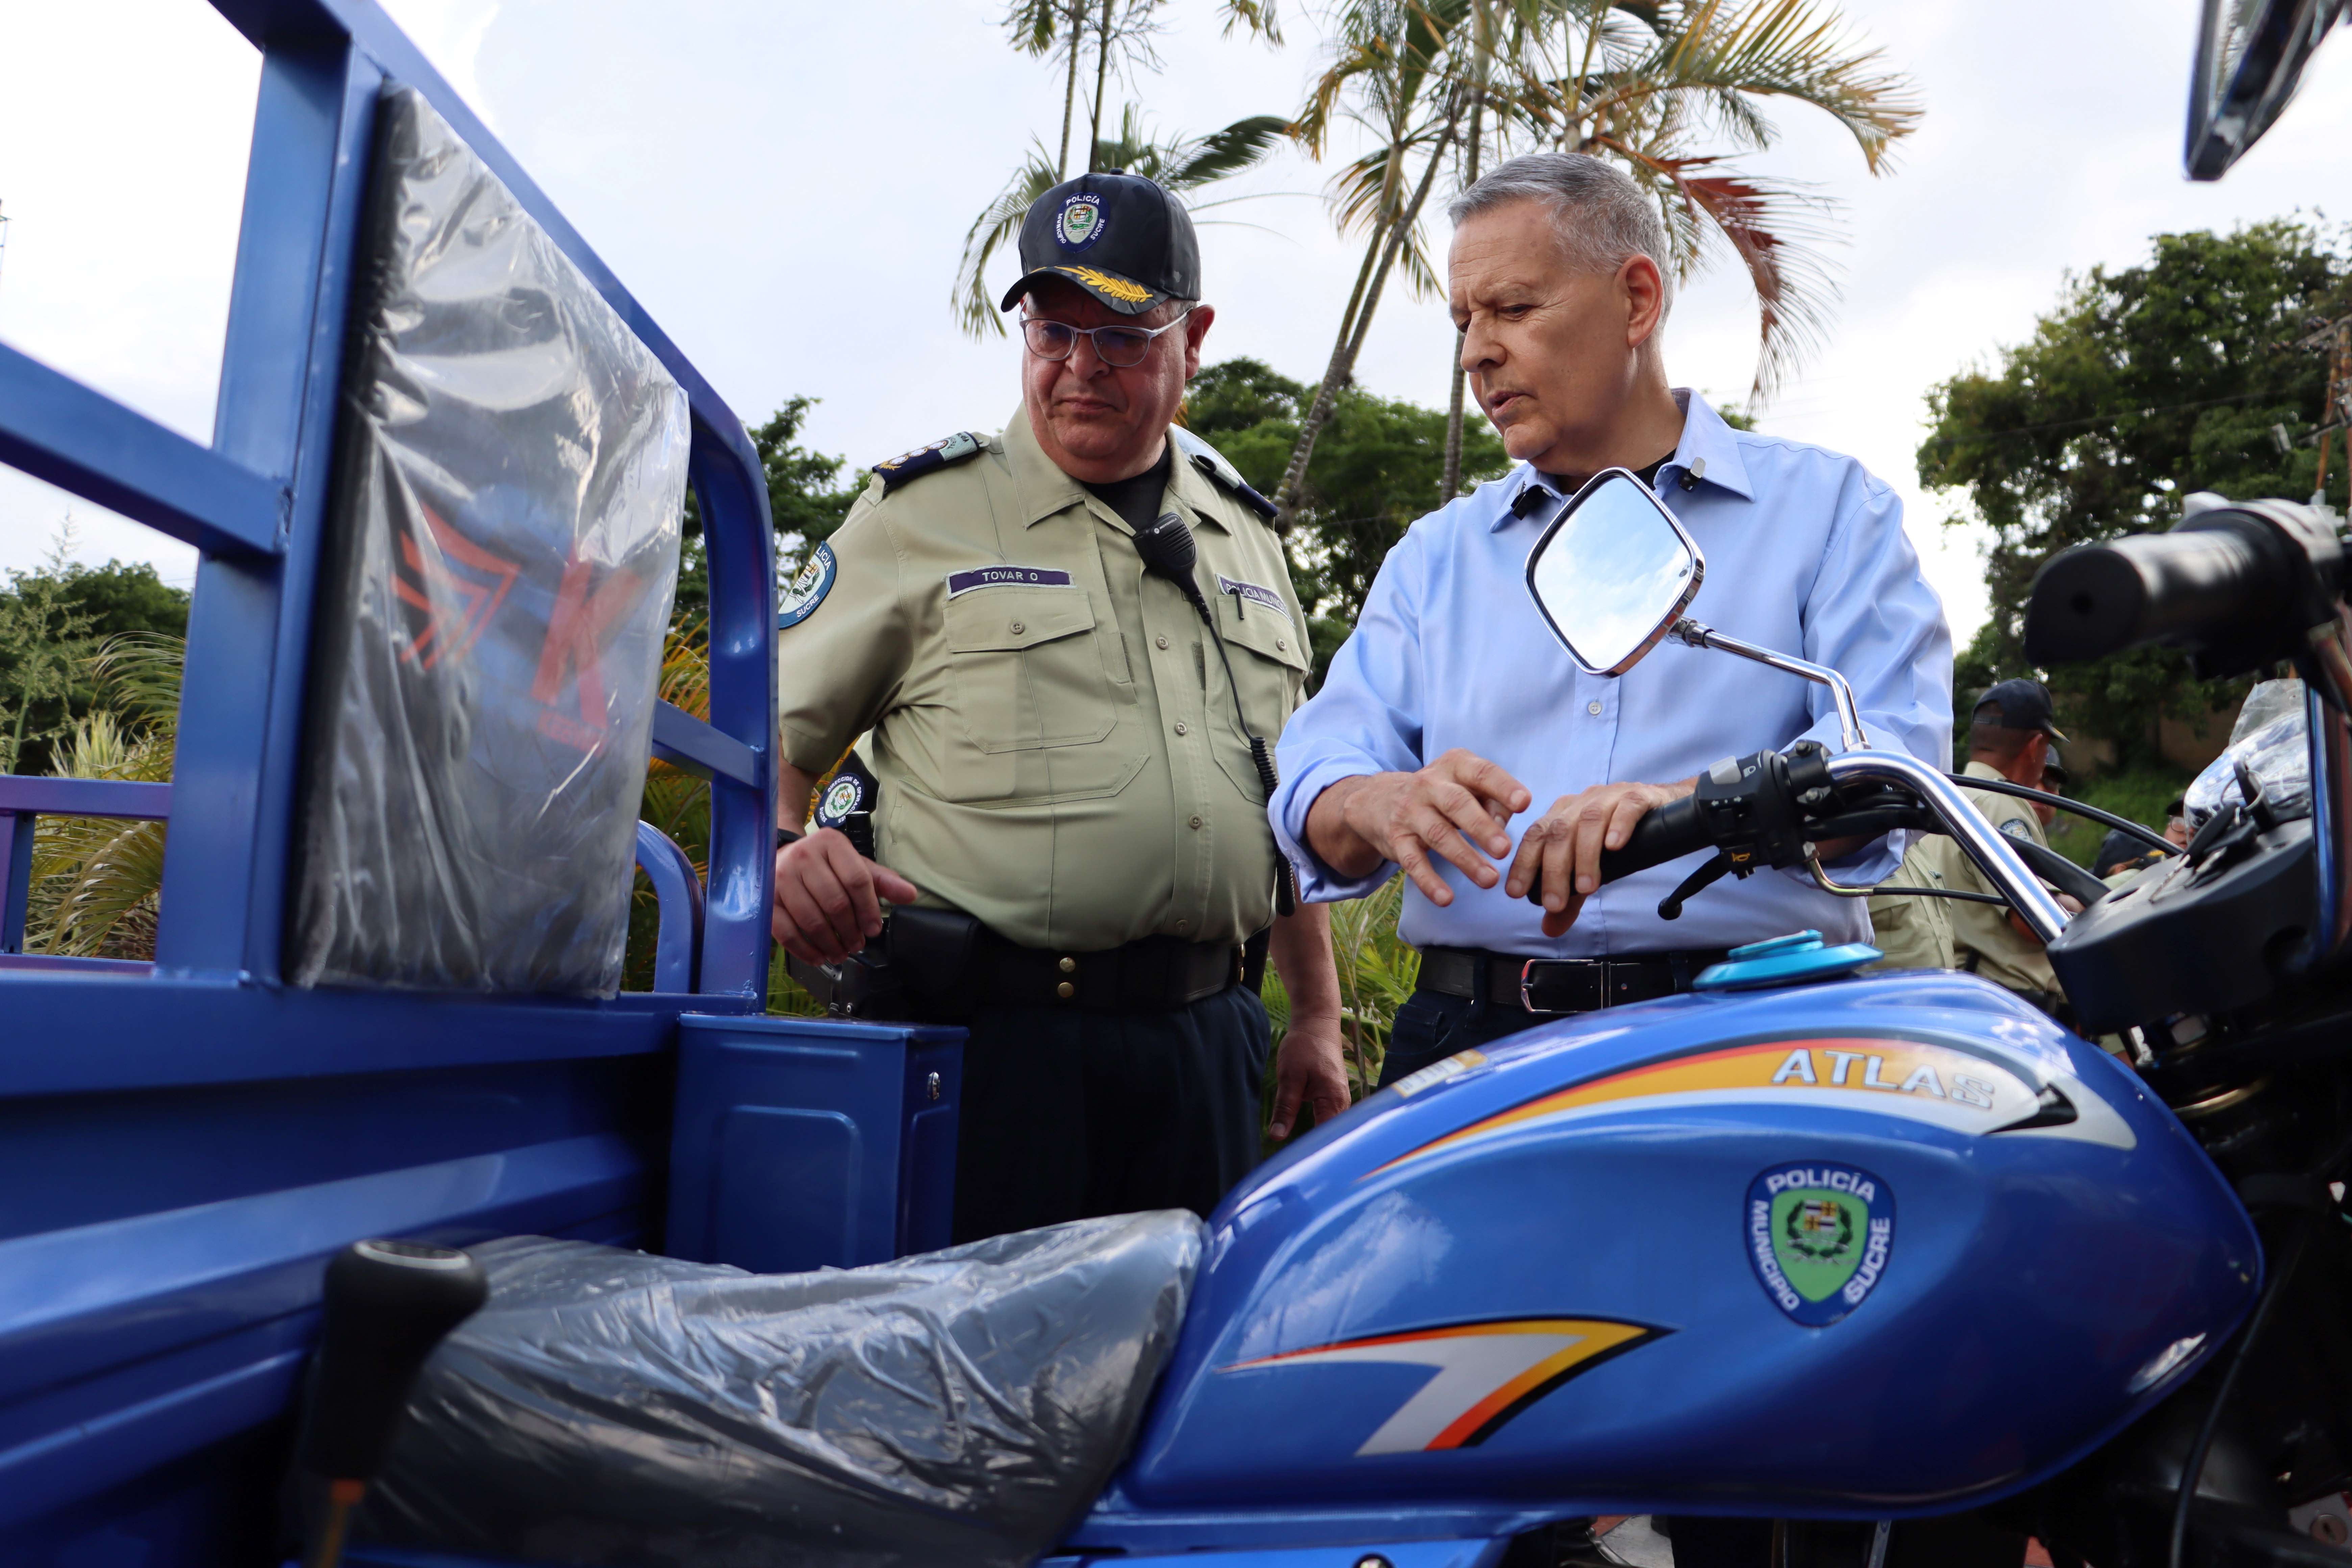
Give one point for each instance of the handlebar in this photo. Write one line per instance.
(1674, 830)
(2234, 585)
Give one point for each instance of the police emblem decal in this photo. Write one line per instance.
(842, 796)
(1819, 1236)
(808, 589)
(1080, 222)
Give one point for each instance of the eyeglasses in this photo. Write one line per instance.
(1123, 348)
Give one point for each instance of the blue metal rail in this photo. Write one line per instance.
(181, 1146)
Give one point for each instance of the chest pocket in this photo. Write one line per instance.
(1026, 670)
(1269, 657)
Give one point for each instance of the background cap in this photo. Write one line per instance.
(1120, 237)
(2017, 705)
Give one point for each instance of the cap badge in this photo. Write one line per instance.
(1080, 222)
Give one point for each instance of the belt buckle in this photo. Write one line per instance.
(1600, 967)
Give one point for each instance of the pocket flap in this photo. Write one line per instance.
(1264, 632)
(1000, 619)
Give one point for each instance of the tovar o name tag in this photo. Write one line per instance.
(1254, 592)
(1005, 577)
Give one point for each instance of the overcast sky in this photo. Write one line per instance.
(786, 187)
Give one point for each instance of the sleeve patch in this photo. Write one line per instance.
(807, 590)
(2015, 828)
(927, 459)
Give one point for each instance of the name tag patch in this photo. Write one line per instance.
(1005, 577)
(1254, 592)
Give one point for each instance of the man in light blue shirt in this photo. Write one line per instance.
(1452, 710)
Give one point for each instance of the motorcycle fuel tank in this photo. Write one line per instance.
(1884, 1246)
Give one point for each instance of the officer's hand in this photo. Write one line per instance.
(1452, 808)
(828, 896)
(1309, 1068)
(1564, 844)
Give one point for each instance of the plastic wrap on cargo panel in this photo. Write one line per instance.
(609, 1407)
(499, 565)
(2273, 739)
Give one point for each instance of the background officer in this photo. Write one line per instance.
(1063, 749)
(2010, 734)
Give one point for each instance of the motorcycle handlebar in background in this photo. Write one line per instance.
(2237, 585)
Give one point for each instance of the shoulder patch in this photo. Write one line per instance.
(2015, 828)
(1211, 462)
(927, 459)
(807, 590)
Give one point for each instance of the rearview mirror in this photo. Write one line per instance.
(1612, 573)
(2250, 60)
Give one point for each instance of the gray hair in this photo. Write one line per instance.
(1601, 215)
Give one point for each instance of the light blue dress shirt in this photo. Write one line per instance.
(1805, 554)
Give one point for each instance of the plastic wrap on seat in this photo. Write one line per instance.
(609, 1407)
(501, 562)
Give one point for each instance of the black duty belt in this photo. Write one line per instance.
(1156, 975)
(938, 965)
(1547, 985)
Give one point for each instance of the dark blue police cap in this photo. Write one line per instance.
(1120, 237)
(2017, 705)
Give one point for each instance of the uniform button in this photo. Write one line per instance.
(1196, 822)
(1069, 967)
(1066, 991)
(1182, 926)
(1281, 645)
(1592, 708)
(1161, 641)
(1017, 628)
(1180, 726)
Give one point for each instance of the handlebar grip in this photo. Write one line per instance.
(2193, 583)
(1668, 833)
(388, 1303)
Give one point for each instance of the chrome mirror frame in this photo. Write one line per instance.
(1667, 622)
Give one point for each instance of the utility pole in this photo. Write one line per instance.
(2335, 413)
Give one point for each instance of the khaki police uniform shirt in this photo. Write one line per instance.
(1053, 734)
(2002, 956)
(1912, 931)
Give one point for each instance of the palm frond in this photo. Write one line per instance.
(998, 228)
(1773, 227)
(1241, 145)
(138, 673)
(1800, 50)
(1260, 19)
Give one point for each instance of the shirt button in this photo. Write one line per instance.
(1066, 991)
(1196, 822)
(1018, 628)
(1069, 967)
(1161, 641)
(1281, 646)
(1184, 926)
(1593, 708)
(1180, 726)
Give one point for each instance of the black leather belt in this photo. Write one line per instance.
(1156, 975)
(1547, 985)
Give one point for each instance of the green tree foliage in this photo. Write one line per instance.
(805, 499)
(1378, 466)
(2144, 385)
(52, 620)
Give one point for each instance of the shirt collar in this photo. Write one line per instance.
(1045, 489)
(1707, 447)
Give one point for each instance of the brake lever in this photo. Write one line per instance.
(1711, 871)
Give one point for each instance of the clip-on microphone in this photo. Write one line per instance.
(1169, 552)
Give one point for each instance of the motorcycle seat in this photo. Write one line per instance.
(609, 1406)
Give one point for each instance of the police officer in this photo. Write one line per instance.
(1914, 931)
(2010, 734)
(1061, 746)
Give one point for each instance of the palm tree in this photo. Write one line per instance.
(1675, 91)
(1179, 163)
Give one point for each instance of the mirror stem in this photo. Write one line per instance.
(1850, 730)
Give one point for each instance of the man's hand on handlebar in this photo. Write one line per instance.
(829, 898)
(1563, 846)
(1451, 809)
